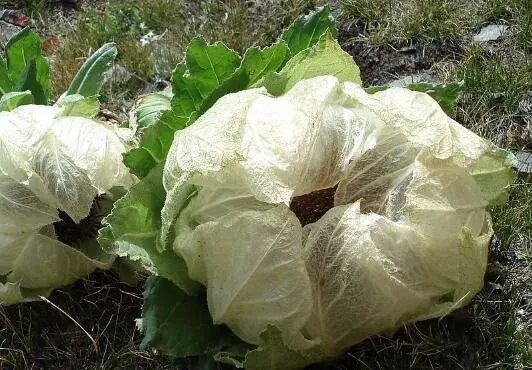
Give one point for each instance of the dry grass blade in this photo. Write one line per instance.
(73, 320)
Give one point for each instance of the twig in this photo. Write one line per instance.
(73, 320)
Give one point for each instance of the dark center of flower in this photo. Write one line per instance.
(69, 232)
(310, 207)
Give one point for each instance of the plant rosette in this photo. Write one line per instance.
(51, 163)
(292, 213)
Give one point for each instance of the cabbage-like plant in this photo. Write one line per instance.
(52, 169)
(289, 213)
(59, 169)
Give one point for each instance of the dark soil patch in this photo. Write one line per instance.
(380, 64)
(37, 336)
(70, 232)
(311, 207)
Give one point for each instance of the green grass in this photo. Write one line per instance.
(387, 21)
(233, 22)
(383, 21)
(494, 85)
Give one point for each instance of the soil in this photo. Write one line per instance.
(70, 232)
(310, 207)
(380, 64)
(39, 336)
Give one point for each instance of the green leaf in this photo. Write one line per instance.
(5, 82)
(14, 99)
(89, 79)
(178, 324)
(79, 106)
(149, 108)
(23, 47)
(273, 354)
(155, 143)
(23, 50)
(446, 95)
(256, 64)
(307, 30)
(205, 68)
(494, 174)
(32, 79)
(208, 66)
(376, 89)
(259, 62)
(132, 227)
(10, 294)
(324, 58)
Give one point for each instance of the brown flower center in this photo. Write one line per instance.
(311, 207)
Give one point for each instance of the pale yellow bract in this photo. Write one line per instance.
(405, 240)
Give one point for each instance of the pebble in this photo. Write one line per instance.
(412, 79)
(524, 162)
(491, 32)
(6, 31)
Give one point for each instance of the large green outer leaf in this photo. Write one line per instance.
(205, 68)
(178, 324)
(307, 30)
(274, 354)
(89, 79)
(132, 227)
(148, 108)
(20, 50)
(27, 68)
(256, 64)
(5, 81)
(326, 57)
(33, 78)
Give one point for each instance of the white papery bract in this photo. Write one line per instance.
(406, 237)
(51, 162)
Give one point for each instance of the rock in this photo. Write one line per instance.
(6, 31)
(412, 79)
(117, 74)
(525, 105)
(491, 32)
(524, 162)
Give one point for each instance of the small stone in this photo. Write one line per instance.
(491, 32)
(117, 74)
(412, 79)
(6, 31)
(524, 162)
(525, 105)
